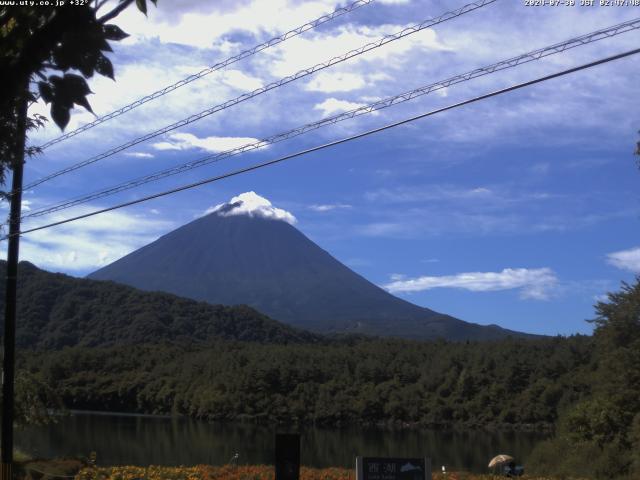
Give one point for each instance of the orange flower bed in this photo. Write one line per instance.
(243, 472)
(205, 472)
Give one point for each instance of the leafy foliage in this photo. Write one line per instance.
(50, 44)
(600, 436)
(35, 399)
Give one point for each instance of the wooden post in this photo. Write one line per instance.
(8, 363)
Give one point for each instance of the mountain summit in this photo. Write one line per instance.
(247, 251)
(252, 205)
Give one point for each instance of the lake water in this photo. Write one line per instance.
(144, 440)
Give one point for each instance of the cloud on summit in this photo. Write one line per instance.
(252, 205)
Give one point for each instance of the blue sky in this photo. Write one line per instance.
(521, 210)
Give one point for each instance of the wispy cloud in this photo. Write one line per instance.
(207, 24)
(90, 243)
(536, 284)
(333, 105)
(336, 82)
(187, 141)
(626, 259)
(329, 207)
(139, 154)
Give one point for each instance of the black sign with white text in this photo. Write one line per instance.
(374, 468)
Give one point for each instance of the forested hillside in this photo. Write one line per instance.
(511, 383)
(57, 311)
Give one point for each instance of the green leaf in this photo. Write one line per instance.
(75, 83)
(76, 89)
(46, 92)
(142, 6)
(114, 32)
(104, 67)
(60, 114)
(87, 63)
(83, 102)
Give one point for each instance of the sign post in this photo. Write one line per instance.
(288, 456)
(377, 468)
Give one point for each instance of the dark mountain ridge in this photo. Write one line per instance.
(57, 311)
(271, 266)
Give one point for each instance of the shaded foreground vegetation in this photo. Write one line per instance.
(228, 472)
(599, 437)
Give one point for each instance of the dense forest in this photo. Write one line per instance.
(511, 383)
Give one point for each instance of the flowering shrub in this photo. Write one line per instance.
(203, 472)
(253, 472)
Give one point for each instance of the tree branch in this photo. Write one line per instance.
(99, 4)
(115, 12)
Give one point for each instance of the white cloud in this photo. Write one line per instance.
(626, 259)
(88, 244)
(318, 47)
(434, 192)
(187, 141)
(536, 284)
(208, 29)
(139, 154)
(333, 105)
(328, 207)
(252, 204)
(135, 80)
(240, 80)
(336, 82)
(383, 229)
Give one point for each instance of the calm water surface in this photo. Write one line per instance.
(144, 440)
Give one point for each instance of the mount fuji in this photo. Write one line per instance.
(248, 252)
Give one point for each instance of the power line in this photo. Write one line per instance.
(379, 105)
(246, 53)
(333, 143)
(300, 74)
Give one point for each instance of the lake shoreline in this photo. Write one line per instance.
(127, 439)
(388, 425)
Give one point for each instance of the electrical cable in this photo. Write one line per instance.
(300, 74)
(185, 81)
(333, 143)
(376, 106)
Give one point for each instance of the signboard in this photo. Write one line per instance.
(374, 468)
(287, 456)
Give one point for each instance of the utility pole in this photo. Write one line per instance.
(8, 365)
